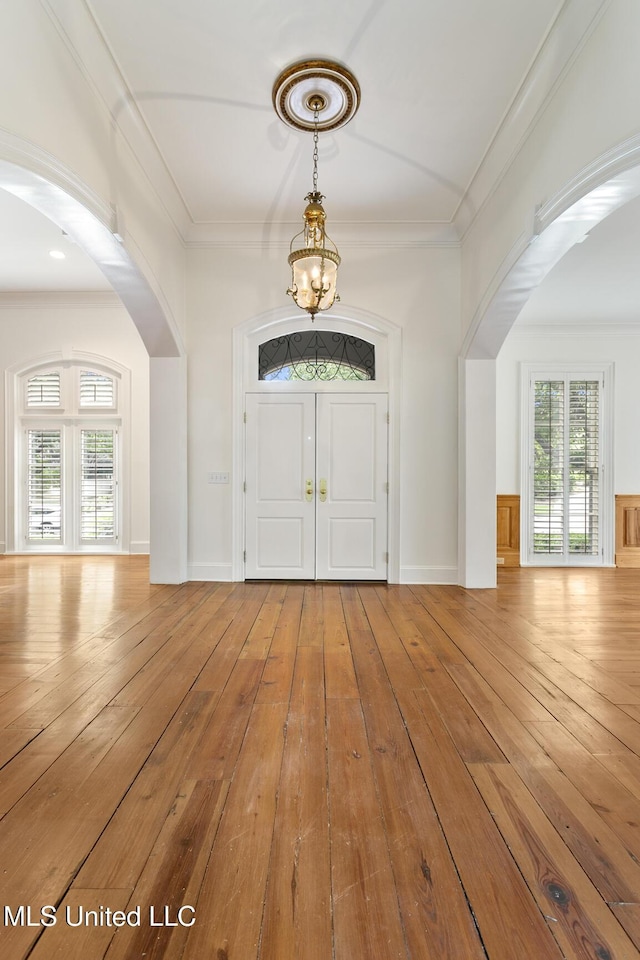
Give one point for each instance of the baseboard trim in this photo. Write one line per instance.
(210, 571)
(444, 575)
(139, 546)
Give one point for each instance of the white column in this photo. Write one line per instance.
(477, 473)
(168, 464)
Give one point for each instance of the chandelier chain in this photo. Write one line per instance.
(315, 150)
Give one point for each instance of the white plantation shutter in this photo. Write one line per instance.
(43, 390)
(98, 486)
(548, 461)
(584, 467)
(96, 389)
(566, 460)
(67, 485)
(44, 485)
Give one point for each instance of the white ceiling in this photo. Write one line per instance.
(26, 237)
(437, 78)
(597, 281)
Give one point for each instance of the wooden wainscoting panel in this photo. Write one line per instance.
(508, 533)
(628, 530)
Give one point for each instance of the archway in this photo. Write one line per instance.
(40, 180)
(597, 191)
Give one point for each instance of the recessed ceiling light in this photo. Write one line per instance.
(57, 254)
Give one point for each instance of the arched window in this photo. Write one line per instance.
(68, 468)
(321, 355)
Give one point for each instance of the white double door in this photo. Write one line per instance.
(316, 486)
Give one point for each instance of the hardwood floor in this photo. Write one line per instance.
(278, 771)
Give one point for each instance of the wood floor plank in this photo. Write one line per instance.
(366, 916)
(277, 676)
(580, 920)
(628, 915)
(470, 736)
(256, 646)
(297, 762)
(509, 923)
(435, 915)
(606, 794)
(230, 902)
(77, 935)
(297, 913)
(312, 620)
(340, 676)
(123, 847)
(171, 880)
(586, 834)
(217, 752)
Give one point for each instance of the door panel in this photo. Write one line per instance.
(316, 487)
(280, 459)
(351, 523)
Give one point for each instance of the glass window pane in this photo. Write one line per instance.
(566, 457)
(97, 510)
(44, 485)
(548, 486)
(316, 355)
(584, 445)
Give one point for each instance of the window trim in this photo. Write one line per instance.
(572, 371)
(18, 417)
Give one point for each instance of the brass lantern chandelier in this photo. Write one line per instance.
(315, 95)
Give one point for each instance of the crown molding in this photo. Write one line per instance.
(557, 53)
(81, 34)
(53, 299)
(403, 234)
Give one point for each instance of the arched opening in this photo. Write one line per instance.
(604, 187)
(41, 181)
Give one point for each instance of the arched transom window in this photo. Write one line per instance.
(321, 355)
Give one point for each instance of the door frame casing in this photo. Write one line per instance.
(387, 339)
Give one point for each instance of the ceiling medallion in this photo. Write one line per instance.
(315, 95)
(301, 86)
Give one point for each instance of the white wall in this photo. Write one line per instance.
(69, 121)
(70, 323)
(590, 343)
(591, 111)
(417, 289)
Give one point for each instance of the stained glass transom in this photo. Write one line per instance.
(316, 355)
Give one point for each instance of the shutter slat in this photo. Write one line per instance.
(96, 389)
(566, 467)
(44, 390)
(44, 484)
(98, 485)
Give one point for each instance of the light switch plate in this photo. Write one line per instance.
(217, 477)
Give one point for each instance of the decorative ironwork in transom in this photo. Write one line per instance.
(316, 355)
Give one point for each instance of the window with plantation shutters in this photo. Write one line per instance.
(96, 389)
(67, 485)
(43, 390)
(98, 486)
(44, 485)
(566, 469)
